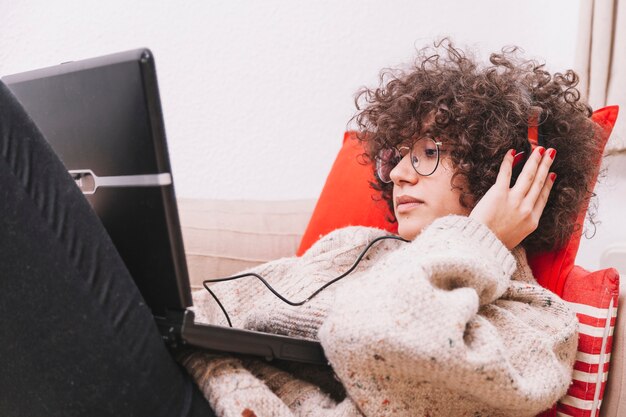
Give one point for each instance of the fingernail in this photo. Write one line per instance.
(541, 150)
(552, 176)
(552, 153)
(518, 158)
(512, 152)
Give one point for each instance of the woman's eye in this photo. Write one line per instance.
(431, 153)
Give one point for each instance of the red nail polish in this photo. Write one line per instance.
(512, 152)
(542, 150)
(552, 176)
(552, 153)
(518, 158)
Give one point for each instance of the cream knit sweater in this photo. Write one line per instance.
(450, 324)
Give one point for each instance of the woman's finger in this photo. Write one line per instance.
(541, 176)
(527, 176)
(506, 168)
(542, 199)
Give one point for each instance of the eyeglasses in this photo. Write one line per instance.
(424, 154)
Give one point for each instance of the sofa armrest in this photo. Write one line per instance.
(223, 237)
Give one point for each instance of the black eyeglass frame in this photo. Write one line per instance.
(398, 154)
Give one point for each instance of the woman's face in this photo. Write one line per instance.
(419, 200)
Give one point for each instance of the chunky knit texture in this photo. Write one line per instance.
(450, 324)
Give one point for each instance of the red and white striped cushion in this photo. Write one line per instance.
(593, 296)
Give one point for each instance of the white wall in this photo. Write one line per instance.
(611, 228)
(256, 94)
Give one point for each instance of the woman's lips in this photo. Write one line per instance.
(406, 207)
(406, 203)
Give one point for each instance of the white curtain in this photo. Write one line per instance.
(601, 60)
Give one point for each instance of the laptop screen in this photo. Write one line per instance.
(103, 119)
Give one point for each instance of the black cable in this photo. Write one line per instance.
(293, 303)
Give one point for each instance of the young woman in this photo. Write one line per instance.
(452, 322)
(449, 323)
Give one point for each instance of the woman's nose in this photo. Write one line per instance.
(404, 172)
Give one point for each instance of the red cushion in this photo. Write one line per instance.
(593, 296)
(552, 268)
(347, 199)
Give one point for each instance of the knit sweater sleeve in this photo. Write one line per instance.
(439, 328)
(251, 305)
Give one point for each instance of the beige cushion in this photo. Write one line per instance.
(223, 237)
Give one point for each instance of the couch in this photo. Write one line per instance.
(224, 237)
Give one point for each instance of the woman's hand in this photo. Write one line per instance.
(513, 213)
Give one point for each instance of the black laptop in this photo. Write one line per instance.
(102, 117)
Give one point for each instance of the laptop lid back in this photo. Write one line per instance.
(103, 119)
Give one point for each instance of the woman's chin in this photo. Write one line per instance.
(409, 231)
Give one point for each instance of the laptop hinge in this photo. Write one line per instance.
(171, 326)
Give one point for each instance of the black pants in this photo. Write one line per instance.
(76, 338)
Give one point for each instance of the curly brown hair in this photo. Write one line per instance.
(481, 112)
